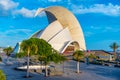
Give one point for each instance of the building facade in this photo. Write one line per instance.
(63, 32)
(101, 55)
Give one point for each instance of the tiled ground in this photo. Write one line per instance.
(89, 72)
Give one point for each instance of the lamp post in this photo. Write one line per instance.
(87, 59)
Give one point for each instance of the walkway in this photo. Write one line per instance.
(89, 72)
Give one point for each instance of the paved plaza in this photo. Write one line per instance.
(88, 72)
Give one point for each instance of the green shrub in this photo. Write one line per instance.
(2, 75)
(96, 62)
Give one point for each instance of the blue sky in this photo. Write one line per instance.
(99, 19)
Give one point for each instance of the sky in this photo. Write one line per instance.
(99, 20)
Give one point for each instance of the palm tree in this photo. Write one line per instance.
(28, 48)
(114, 46)
(63, 59)
(53, 57)
(8, 50)
(92, 57)
(78, 55)
(58, 58)
(43, 49)
(49, 55)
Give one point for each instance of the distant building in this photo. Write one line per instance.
(101, 55)
(63, 32)
(1, 49)
(118, 55)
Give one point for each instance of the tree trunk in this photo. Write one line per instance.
(63, 67)
(7, 60)
(115, 54)
(78, 71)
(18, 62)
(27, 65)
(46, 71)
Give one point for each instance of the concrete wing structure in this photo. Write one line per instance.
(63, 30)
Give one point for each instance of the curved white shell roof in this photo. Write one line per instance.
(63, 28)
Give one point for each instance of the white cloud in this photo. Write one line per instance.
(110, 9)
(95, 28)
(25, 12)
(12, 36)
(42, 14)
(8, 4)
(15, 32)
(111, 29)
(104, 29)
(88, 34)
(54, 0)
